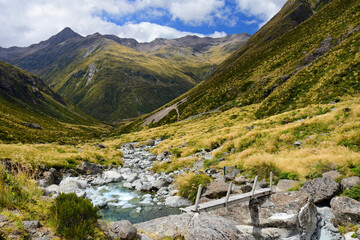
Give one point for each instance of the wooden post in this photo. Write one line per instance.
(228, 195)
(253, 189)
(271, 181)
(224, 171)
(198, 197)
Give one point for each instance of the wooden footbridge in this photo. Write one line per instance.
(229, 199)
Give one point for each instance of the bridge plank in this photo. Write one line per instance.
(233, 199)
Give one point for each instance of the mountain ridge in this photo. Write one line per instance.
(93, 71)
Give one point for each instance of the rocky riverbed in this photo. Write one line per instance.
(129, 192)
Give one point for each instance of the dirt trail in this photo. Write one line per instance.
(162, 113)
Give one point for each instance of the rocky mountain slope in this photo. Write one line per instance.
(111, 78)
(308, 53)
(31, 111)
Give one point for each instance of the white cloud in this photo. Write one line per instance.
(262, 9)
(23, 22)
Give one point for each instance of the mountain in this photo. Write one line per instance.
(32, 112)
(110, 78)
(306, 54)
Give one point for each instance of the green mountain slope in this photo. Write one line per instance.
(32, 112)
(111, 78)
(307, 54)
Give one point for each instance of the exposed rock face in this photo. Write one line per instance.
(88, 168)
(346, 209)
(122, 230)
(216, 189)
(282, 215)
(177, 201)
(332, 174)
(321, 189)
(73, 185)
(51, 177)
(190, 226)
(326, 229)
(285, 184)
(33, 125)
(350, 182)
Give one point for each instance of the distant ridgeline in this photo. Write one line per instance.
(307, 53)
(110, 78)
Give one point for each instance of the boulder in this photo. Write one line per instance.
(285, 184)
(217, 189)
(189, 226)
(150, 142)
(326, 230)
(88, 168)
(162, 155)
(158, 184)
(240, 180)
(321, 189)
(50, 177)
(177, 201)
(122, 230)
(33, 125)
(231, 175)
(292, 213)
(73, 185)
(29, 225)
(346, 209)
(332, 174)
(52, 189)
(350, 182)
(112, 176)
(100, 145)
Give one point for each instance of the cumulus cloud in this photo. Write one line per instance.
(23, 22)
(262, 9)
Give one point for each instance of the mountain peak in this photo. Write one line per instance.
(65, 34)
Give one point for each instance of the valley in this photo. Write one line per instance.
(128, 131)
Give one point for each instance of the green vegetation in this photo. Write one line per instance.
(353, 192)
(188, 184)
(74, 217)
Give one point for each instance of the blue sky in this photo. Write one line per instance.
(24, 22)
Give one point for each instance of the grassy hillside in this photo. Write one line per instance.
(287, 65)
(25, 98)
(112, 79)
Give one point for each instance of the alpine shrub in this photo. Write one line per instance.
(74, 217)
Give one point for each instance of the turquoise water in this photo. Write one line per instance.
(125, 204)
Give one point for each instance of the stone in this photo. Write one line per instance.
(285, 184)
(321, 189)
(100, 145)
(73, 185)
(52, 189)
(30, 225)
(158, 184)
(293, 211)
(246, 188)
(122, 230)
(112, 176)
(50, 177)
(332, 174)
(297, 144)
(33, 125)
(190, 226)
(217, 189)
(88, 168)
(240, 180)
(231, 175)
(350, 182)
(326, 229)
(263, 183)
(162, 155)
(346, 209)
(177, 201)
(150, 143)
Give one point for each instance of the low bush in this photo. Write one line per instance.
(188, 184)
(263, 170)
(73, 217)
(353, 192)
(210, 162)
